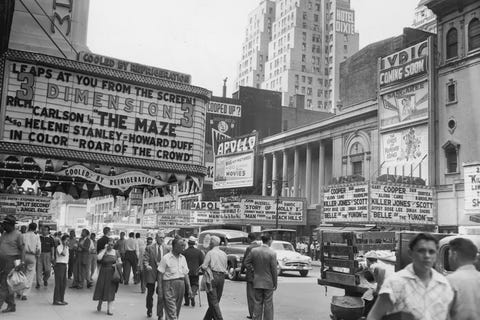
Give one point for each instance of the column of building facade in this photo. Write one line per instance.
(285, 172)
(296, 162)
(321, 169)
(275, 181)
(264, 176)
(308, 173)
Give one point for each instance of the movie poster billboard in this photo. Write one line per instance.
(345, 203)
(234, 162)
(471, 176)
(48, 106)
(405, 152)
(404, 105)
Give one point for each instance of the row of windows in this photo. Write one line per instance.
(473, 39)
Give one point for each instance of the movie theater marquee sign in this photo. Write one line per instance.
(52, 107)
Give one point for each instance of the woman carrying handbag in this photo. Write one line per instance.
(109, 277)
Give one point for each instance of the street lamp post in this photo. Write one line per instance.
(278, 190)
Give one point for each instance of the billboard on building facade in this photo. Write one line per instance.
(234, 162)
(345, 21)
(264, 210)
(405, 152)
(55, 107)
(24, 205)
(373, 202)
(404, 105)
(471, 176)
(404, 65)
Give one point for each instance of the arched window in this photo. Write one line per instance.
(452, 43)
(474, 34)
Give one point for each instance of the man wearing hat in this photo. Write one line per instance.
(194, 258)
(11, 249)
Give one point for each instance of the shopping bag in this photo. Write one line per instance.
(17, 281)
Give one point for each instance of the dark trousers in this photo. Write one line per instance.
(194, 286)
(214, 296)
(150, 293)
(250, 298)
(6, 265)
(129, 264)
(60, 270)
(263, 304)
(71, 262)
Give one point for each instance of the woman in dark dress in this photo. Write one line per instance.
(105, 288)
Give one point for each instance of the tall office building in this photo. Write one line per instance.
(309, 40)
(255, 45)
(424, 18)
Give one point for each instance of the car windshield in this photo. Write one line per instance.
(282, 246)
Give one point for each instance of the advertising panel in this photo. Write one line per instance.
(471, 176)
(234, 162)
(401, 205)
(149, 219)
(24, 205)
(345, 21)
(374, 202)
(346, 203)
(52, 107)
(405, 152)
(404, 64)
(291, 211)
(136, 197)
(175, 217)
(404, 105)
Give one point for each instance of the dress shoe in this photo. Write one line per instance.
(23, 298)
(18, 295)
(109, 313)
(149, 314)
(57, 303)
(37, 286)
(186, 304)
(89, 285)
(45, 283)
(9, 309)
(74, 287)
(249, 317)
(64, 303)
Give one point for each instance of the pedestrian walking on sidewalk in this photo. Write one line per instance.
(11, 250)
(32, 251)
(465, 281)
(106, 288)
(249, 275)
(60, 271)
(173, 270)
(44, 261)
(194, 260)
(263, 261)
(83, 261)
(93, 256)
(216, 263)
(151, 259)
(72, 256)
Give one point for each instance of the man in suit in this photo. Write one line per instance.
(83, 261)
(151, 258)
(263, 261)
(194, 260)
(249, 275)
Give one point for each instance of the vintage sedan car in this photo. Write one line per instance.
(290, 260)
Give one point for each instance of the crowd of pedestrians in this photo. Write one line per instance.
(171, 274)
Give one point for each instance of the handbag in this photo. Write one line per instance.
(117, 277)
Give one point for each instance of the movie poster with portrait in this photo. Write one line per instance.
(404, 105)
(405, 152)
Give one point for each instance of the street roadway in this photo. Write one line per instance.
(296, 298)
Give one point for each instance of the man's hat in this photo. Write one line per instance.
(10, 219)
(192, 240)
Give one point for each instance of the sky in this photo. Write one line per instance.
(204, 38)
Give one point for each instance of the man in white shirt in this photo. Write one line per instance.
(32, 251)
(465, 281)
(60, 269)
(131, 257)
(173, 276)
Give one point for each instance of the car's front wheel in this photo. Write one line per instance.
(231, 273)
(304, 273)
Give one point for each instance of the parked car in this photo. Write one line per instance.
(234, 243)
(290, 260)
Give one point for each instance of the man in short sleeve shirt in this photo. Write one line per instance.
(418, 289)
